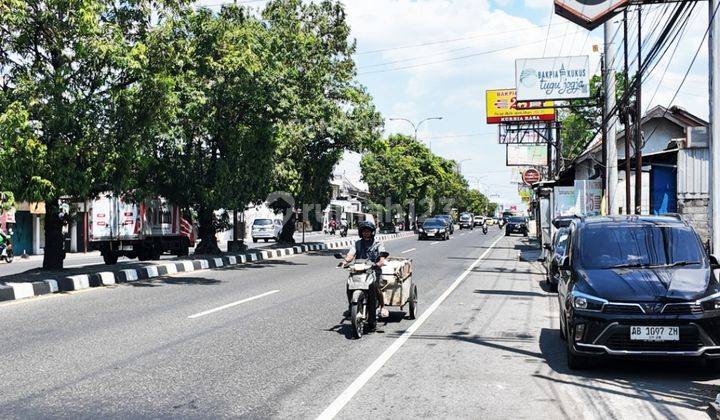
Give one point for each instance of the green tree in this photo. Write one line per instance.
(66, 69)
(212, 92)
(582, 121)
(402, 173)
(325, 111)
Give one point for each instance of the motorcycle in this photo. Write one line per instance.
(343, 231)
(7, 252)
(484, 229)
(362, 294)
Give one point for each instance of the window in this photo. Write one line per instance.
(262, 222)
(608, 246)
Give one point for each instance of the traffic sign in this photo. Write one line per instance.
(588, 13)
(531, 176)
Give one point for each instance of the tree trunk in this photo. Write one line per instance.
(288, 230)
(207, 230)
(54, 243)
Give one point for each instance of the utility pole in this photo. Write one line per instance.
(638, 123)
(714, 59)
(610, 144)
(626, 113)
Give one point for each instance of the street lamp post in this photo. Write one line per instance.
(459, 165)
(416, 127)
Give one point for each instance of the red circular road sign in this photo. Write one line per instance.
(531, 176)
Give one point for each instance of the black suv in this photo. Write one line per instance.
(516, 224)
(638, 286)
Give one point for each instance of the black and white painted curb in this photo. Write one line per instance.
(15, 291)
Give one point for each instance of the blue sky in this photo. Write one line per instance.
(470, 46)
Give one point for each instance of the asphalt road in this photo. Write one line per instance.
(489, 350)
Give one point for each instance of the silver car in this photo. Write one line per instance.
(266, 229)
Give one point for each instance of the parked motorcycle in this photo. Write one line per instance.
(7, 252)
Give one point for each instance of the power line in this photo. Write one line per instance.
(547, 35)
(669, 61)
(445, 41)
(692, 62)
(453, 58)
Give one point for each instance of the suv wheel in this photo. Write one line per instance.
(574, 361)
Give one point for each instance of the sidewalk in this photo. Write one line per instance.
(36, 282)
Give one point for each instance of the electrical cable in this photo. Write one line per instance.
(455, 58)
(445, 41)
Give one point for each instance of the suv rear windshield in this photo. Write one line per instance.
(262, 222)
(609, 246)
(516, 219)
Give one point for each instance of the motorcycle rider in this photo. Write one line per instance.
(4, 240)
(332, 225)
(367, 247)
(343, 227)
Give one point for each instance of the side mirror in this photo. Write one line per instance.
(564, 263)
(338, 255)
(714, 262)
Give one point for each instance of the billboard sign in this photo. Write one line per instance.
(564, 201)
(588, 197)
(588, 13)
(558, 78)
(525, 155)
(501, 106)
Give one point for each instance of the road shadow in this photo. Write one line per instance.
(511, 293)
(545, 286)
(180, 280)
(503, 270)
(645, 379)
(345, 328)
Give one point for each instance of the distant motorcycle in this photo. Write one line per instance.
(484, 229)
(343, 231)
(7, 252)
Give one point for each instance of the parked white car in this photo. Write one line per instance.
(266, 229)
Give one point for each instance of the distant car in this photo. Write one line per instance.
(478, 220)
(554, 252)
(449, 220)
(516, 224)
(489, 221)
(265, 229)
(466, 221)
(388, 227)
(434, 228)
(639, 287)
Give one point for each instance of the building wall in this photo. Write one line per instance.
(695, 212)
(693, 173)
(660, 133)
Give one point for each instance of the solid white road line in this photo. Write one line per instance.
(462, 234)
(364, 377)
(230, 305)
(434, 243)
(408, 250)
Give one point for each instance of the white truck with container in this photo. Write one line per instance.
(143, 230)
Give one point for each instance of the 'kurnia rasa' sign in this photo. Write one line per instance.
(588, 13)
(502, 107)
(558, 78)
